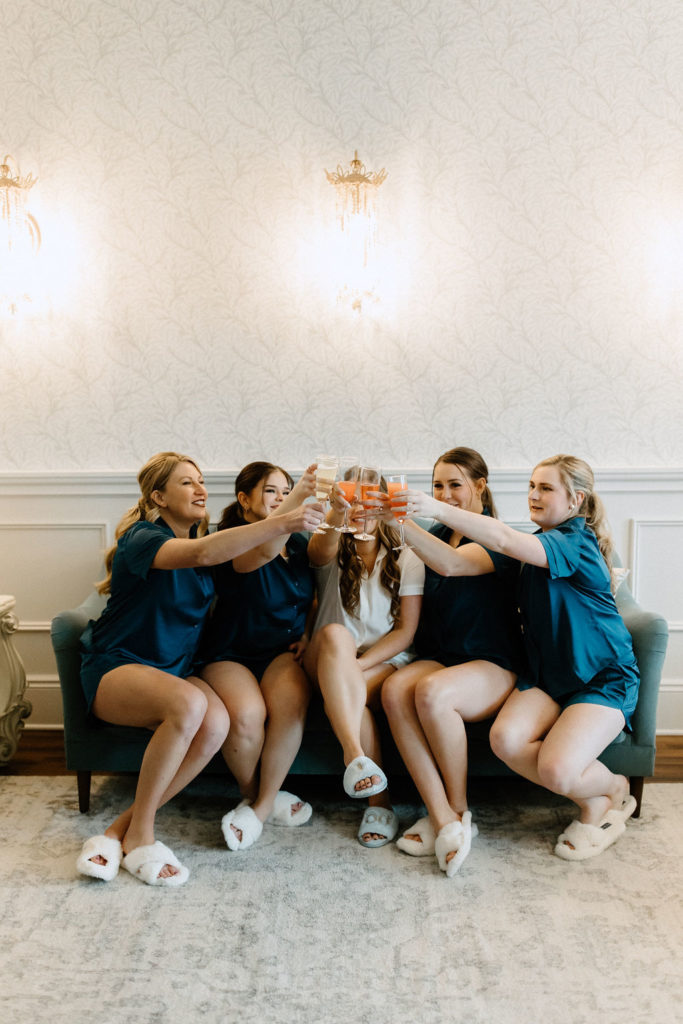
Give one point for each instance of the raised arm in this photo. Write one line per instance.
(322, 547)
(483, 530)
(214, 548)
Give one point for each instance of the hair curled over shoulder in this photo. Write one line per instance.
(352, 568)
(577, 475)
(475, 468)
(153, 476)
(253, 474)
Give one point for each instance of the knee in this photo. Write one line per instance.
(188, 709)
(429, 698)
(214, 728)
(247, 721)
(334, 638)
(506, 741)
(288, 705)
(395, 696)
(557, 773)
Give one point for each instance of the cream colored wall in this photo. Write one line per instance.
(533, 230)
(532, 251)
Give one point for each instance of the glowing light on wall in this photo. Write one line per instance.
(19, 238)
(355, 255)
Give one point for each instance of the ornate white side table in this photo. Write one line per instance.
(14, 707)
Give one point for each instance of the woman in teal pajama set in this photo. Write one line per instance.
(138, 657)
(580, 687)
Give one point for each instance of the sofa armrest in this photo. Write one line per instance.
(65, 631)
(650, 633)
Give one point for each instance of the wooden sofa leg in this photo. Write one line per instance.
(83, 779)
(637, 782)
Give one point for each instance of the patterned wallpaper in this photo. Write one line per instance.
(531, 230)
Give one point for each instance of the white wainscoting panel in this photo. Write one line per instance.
(657, 583)
(51, 561)
(47, 566)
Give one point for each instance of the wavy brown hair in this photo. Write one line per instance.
(153, 476)
(353, 567)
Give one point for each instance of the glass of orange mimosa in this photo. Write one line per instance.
(349, 471)
(395, 483)
(325, 476)
(370, 477)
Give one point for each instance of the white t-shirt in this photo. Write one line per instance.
(374, 613)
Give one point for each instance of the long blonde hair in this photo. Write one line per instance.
(153, 476)
(576, 475)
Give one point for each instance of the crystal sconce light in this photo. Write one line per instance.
(19, 238)
(357, 190)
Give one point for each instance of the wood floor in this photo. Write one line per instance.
(41, 752)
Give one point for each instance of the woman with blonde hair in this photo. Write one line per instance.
(468, 648)
(138, 657)
(252, 652)
(369, 605)
(580, 686)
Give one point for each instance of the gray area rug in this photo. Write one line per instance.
(308, 926)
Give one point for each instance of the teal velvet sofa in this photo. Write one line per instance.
(94, 746)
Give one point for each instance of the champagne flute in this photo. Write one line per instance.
(325, 475)
(349, 471)
(369, 482)
(395, 483)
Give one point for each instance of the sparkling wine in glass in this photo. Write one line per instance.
(370, 477)
(397, 483)
(325, 476)
(349, 471)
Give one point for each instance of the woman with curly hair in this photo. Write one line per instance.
(369, 607)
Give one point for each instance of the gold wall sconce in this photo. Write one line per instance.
(357, 215)
(19, 237)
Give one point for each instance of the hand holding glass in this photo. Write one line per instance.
(369, 484)
(348, 485)
(395, 484)
(325, 475)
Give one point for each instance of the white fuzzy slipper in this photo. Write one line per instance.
(281, 813)
(145, 863)
(249, 824)
(423, 847)
(580, 841)
(100, 846)
(380, 821)
(454, 837)
(363, 768)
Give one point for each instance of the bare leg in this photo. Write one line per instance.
(398, 700)
(239, 690)
(206, 742)
(286, 691)
(444, 701)
(331, 661)
(559, 750)
(179, 712)
(371, 741)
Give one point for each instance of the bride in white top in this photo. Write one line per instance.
(369, 606)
